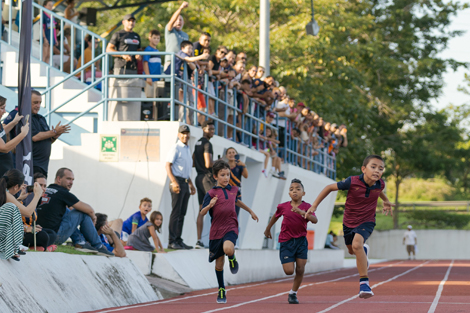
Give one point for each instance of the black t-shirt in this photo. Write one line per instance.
(216, 63)
(6, 161)
(53, 206)
(125, 41)
(203, 145)
(41, 149)
(198, 48)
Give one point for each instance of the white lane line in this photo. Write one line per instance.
(212, 293)
(240, 287)
(301, 287)
(374, 286)
(439, 290)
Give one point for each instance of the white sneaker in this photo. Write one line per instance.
(23, 248)
(265, 173)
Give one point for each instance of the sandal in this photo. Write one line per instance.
(16, 258)
(21, 252)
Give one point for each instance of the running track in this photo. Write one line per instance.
(399, 286)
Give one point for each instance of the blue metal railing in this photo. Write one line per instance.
(244, 123)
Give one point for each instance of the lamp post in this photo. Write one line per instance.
(264, 48)
(312, 27)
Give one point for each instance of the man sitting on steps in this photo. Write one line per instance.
(61, 211)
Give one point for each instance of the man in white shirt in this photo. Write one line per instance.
(178, 166)
(410, 240)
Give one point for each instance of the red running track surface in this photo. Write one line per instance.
(400, 286)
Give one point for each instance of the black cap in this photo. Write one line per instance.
(128, 17)
(183, 129)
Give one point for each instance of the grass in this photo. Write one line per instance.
(386, 222)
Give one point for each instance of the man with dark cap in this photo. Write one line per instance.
(125, 40)
(179, 163)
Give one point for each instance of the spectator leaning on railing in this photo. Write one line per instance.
(152, 65)
(174, 35)
(125, 40)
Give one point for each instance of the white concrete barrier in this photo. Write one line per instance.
(60, 283)
(194, 269)
(432, 244)
(142, 260)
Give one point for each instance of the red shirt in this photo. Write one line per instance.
(224, 216)
(361, 202)
(293, 225)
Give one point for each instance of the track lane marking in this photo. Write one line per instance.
(374, 286)
(439, 290)
(240, 287)
(301, 287)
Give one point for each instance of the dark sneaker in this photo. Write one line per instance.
(104, 251)
(281, 175)
(185, 246)
(367, 251)
(86, 247)
(293, 298)
(365, 292)
(233, 265)
(221, 297)
(175, 246)
(199, 245)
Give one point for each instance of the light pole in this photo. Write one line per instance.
(264, 48)
(312, 27)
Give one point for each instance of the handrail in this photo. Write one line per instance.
(55, 5)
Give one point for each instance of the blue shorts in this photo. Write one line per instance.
(365, 230)
(295, 248)
(216, 246)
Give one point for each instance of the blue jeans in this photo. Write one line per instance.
(68, 228)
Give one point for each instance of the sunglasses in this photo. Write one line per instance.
(223, 52)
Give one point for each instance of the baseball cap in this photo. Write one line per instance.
(300, 104)
(184, 129)
(128, 17)
(271, 114)
(410, 227)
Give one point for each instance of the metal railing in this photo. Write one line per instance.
(244, 123)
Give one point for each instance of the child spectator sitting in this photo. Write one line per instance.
(139, 240)
(87, 57)
(271, 144)
(108, 236)
(137, 219)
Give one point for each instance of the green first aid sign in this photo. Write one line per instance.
(109, 148)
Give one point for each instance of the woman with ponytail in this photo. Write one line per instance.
(11, 224)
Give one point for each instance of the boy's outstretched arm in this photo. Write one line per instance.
(246, 208)
(273, 221)
(312, 218)
(323, 194)
(387, 204)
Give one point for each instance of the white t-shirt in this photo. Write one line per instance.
(282, 105)
(410, 238)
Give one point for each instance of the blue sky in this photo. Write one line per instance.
(459, 49)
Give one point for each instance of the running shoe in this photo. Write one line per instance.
(367, 251)
(233, 265)
(103, 251)
(86, 247)
(364, 291)
(199, 245)
(221, 297)
(292, 299)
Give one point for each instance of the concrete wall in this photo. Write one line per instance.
(115, 188)
(255, 265)
(60, 283)
(432, 244)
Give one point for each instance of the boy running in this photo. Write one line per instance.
(359, 213)
(294, 245)
(220, 202)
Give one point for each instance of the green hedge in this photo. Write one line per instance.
(439, 219)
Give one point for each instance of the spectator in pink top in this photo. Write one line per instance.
(293, 236)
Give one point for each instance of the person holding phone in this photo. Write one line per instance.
(6, 159)
(237, 170)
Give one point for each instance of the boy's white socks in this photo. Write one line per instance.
(292, 292)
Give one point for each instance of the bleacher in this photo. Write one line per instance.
(89, 97)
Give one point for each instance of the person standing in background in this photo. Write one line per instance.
(410, 240)
(178, 167)
(174, 35)
(203, 161)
